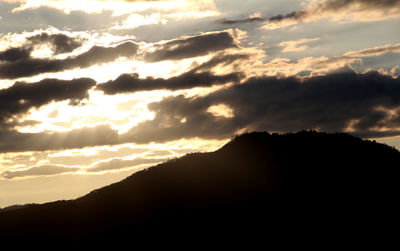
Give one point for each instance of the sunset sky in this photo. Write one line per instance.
(93, 90)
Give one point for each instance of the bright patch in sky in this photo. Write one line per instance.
(221, 110)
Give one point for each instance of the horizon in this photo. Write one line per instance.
(93, 92)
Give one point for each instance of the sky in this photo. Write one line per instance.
(92, 91)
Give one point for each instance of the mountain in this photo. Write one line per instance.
(257, 184)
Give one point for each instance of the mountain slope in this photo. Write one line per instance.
(256, 180)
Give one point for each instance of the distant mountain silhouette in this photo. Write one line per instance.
(258, 183)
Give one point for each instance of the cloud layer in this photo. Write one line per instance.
(365, 104)
(28, 66)
(192, 46)
(132, 82)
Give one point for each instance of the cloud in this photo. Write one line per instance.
(376, 51)
(295, 15)
(27, 67)
(191, 79)
(41, 170)
(118, 7)
(296, 45)
(199, 76)
(242, 21)
(337, 10)
(14, 54)
(101, 166)
(21, 96)
(308, 66)
(364, 104)
(223, 59)
(194, 46)
(322, 65)
(59, 43)
(41, 17)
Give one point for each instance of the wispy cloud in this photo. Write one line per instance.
(376, 51)
(132, 82)
(296, 45)
(43, 170)
(340, 11)
(114, 164)
(336, 10)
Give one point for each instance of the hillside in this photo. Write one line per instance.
(261, 181)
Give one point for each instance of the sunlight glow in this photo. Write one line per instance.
(99, 110)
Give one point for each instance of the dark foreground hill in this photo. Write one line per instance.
(257, 183)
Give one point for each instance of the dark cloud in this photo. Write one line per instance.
(199, 76)
(59, 43)
(21, 97)
(293, 15)
(96, 55)
(14, 54)
(191, 46)
(221, 59)
(132, 82)
(336, 5)
(320, 10)
(279, 17)
(242, 21)
(329, 103)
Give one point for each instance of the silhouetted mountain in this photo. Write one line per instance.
(15, 207)
(307, 184)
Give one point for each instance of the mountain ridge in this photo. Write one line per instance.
(255, 179)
